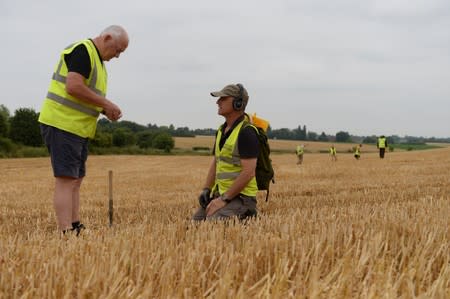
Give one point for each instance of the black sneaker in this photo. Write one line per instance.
(77, 228)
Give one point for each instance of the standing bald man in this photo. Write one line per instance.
(68, 116)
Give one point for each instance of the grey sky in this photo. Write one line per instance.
(366, 67)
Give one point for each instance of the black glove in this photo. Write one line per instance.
(204, 198)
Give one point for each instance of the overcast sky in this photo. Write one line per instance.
(365, 67)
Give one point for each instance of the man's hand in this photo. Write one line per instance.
(214, 206)
(112, 111)
(204, 198)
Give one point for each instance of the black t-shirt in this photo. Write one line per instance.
(78, 60)
(247, 140)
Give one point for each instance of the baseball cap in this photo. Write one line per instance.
(231, 90)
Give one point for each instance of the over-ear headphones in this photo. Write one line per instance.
(238, 103)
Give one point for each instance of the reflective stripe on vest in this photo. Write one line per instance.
(73, 105)
(227, 175)
(233, 160)
(382, 142)
(66, 112)
(228, 163)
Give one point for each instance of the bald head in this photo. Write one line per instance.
(111, 42)
(116, 32)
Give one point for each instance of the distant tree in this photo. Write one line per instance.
(132, 126)
(122, 137)
(102, 139)
(108, 126)
(145, 138)
(342, 136)
(299, 133)
(25, 127)
(414, 140)
(150, 126)
(323, 137)
(393, 139)
(370, 139)
(283, 133)
(104, 125)
(6, 147)
(4, 111)
(182, 132)
(3, 126)
(163, 141)
(312, 136)
(204, 132)
(4, 121)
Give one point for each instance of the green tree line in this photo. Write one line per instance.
(20, 133)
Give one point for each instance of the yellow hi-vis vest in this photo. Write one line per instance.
(228, 163)
(65, 112)
(299, 150)
(333, 151)
(381, 142)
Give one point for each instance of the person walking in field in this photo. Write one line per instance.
(381, 145)
(333, 153)
(300, 150)
(68, 117)
(357, 153)
(230, 187)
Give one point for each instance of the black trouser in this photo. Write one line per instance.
(382, 152)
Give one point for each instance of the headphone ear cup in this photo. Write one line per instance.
(237, 104)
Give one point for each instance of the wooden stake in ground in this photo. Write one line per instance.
(111, 208)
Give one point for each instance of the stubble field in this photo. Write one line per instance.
(351, 229)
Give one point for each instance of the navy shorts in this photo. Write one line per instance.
(68, 152)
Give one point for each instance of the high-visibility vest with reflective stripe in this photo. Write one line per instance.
(357, 150)
(381, 142)
(333, 150)
(65, 112)
(299, 150)
(228, 163)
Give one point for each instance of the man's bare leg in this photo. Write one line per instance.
(62, 201)
(76, 200)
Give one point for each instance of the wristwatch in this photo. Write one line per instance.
(225, 198)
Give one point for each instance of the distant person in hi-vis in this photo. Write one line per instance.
(333, 153)
(357, 153)
(381, 145)
(299, 151)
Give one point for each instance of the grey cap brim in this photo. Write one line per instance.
(218, 94)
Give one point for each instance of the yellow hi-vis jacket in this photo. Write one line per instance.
(333, 151)
(228, 163)
(65, 112)
(381, 142)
